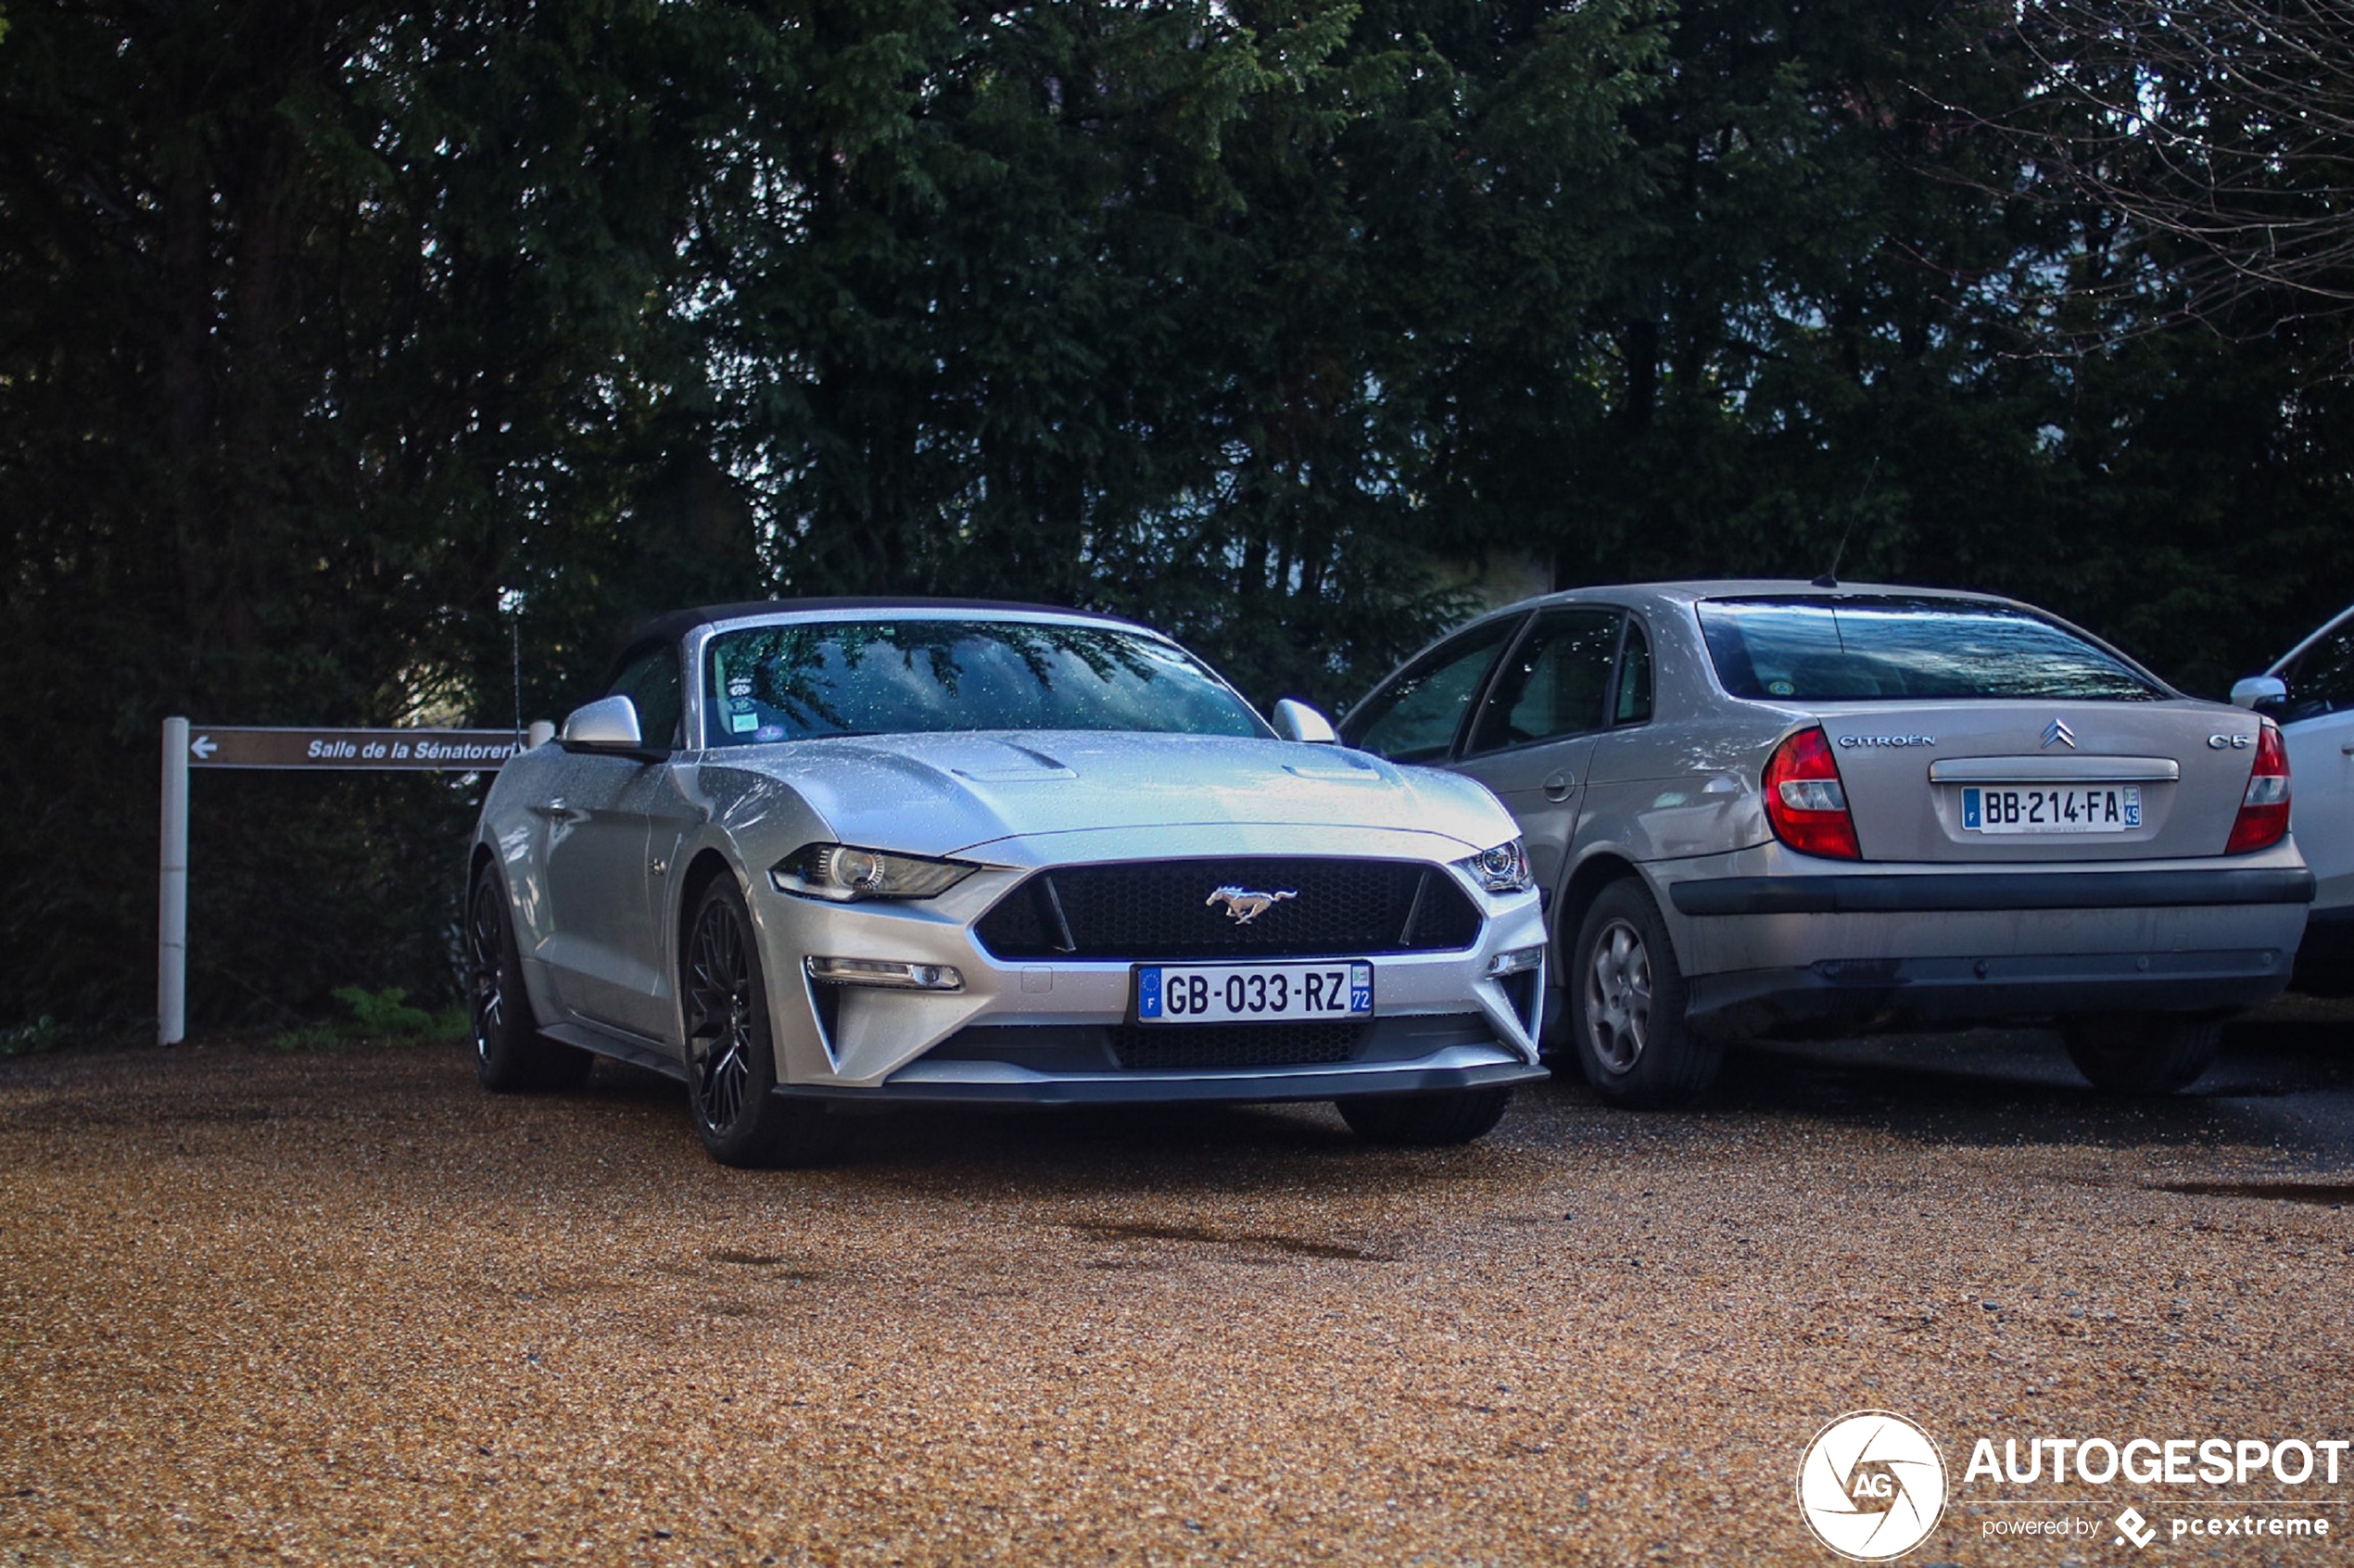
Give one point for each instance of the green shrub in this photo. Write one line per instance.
(383, 1012)
(44, 1033)
(376, 1015)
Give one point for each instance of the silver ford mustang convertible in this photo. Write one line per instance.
(802, 855)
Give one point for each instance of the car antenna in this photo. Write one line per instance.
(1831, 579)
(511, 602)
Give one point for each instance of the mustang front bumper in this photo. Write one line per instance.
(1036, 1033)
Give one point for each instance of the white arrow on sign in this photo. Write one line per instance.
(203, 746)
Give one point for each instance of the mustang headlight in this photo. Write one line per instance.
(843, 874)
(1503, 869)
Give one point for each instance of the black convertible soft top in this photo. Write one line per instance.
(678, 623)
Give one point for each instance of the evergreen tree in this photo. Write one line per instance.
(325, 332)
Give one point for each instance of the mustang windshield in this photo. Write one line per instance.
(1855, 649)
(898, 678)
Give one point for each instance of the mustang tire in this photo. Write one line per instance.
(1440, 1116)
(2142, 1053)
(731, 1054)
(511, 1055)
(1626, 1005)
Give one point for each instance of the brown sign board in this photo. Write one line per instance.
(463, 750)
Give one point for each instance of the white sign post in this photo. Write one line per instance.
(394, 751)
(172, 937)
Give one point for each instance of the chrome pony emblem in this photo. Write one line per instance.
(2057, 730)
(1244, 905)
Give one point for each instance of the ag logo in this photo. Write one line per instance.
(1871, 1486)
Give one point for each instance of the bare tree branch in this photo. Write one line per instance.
(2220, 133)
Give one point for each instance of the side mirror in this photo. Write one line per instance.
(2259, 692)
(1295, 720)
(609, 724)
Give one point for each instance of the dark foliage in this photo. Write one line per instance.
(344, 351)
(319, 326)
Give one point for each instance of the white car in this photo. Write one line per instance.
(2310, 693)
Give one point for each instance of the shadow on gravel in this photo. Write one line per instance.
(2281, 1083)
(2286, 1083)
(2331, 1195)
(1110, 1149)
(1247, 1241)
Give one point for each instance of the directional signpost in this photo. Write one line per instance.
(469, 751)
(463, 751)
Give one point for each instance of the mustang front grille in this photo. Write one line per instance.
(1175, 909)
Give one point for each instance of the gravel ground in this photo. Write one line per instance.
(342, 1307)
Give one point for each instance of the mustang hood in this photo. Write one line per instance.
(940, 794)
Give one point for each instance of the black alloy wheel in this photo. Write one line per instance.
(1434, 1116)
(731, 1056)
(485, 966)
(511, 1055)
(719, 1017)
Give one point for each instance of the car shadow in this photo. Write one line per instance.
(2283, 1082)
(1082, 1149)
